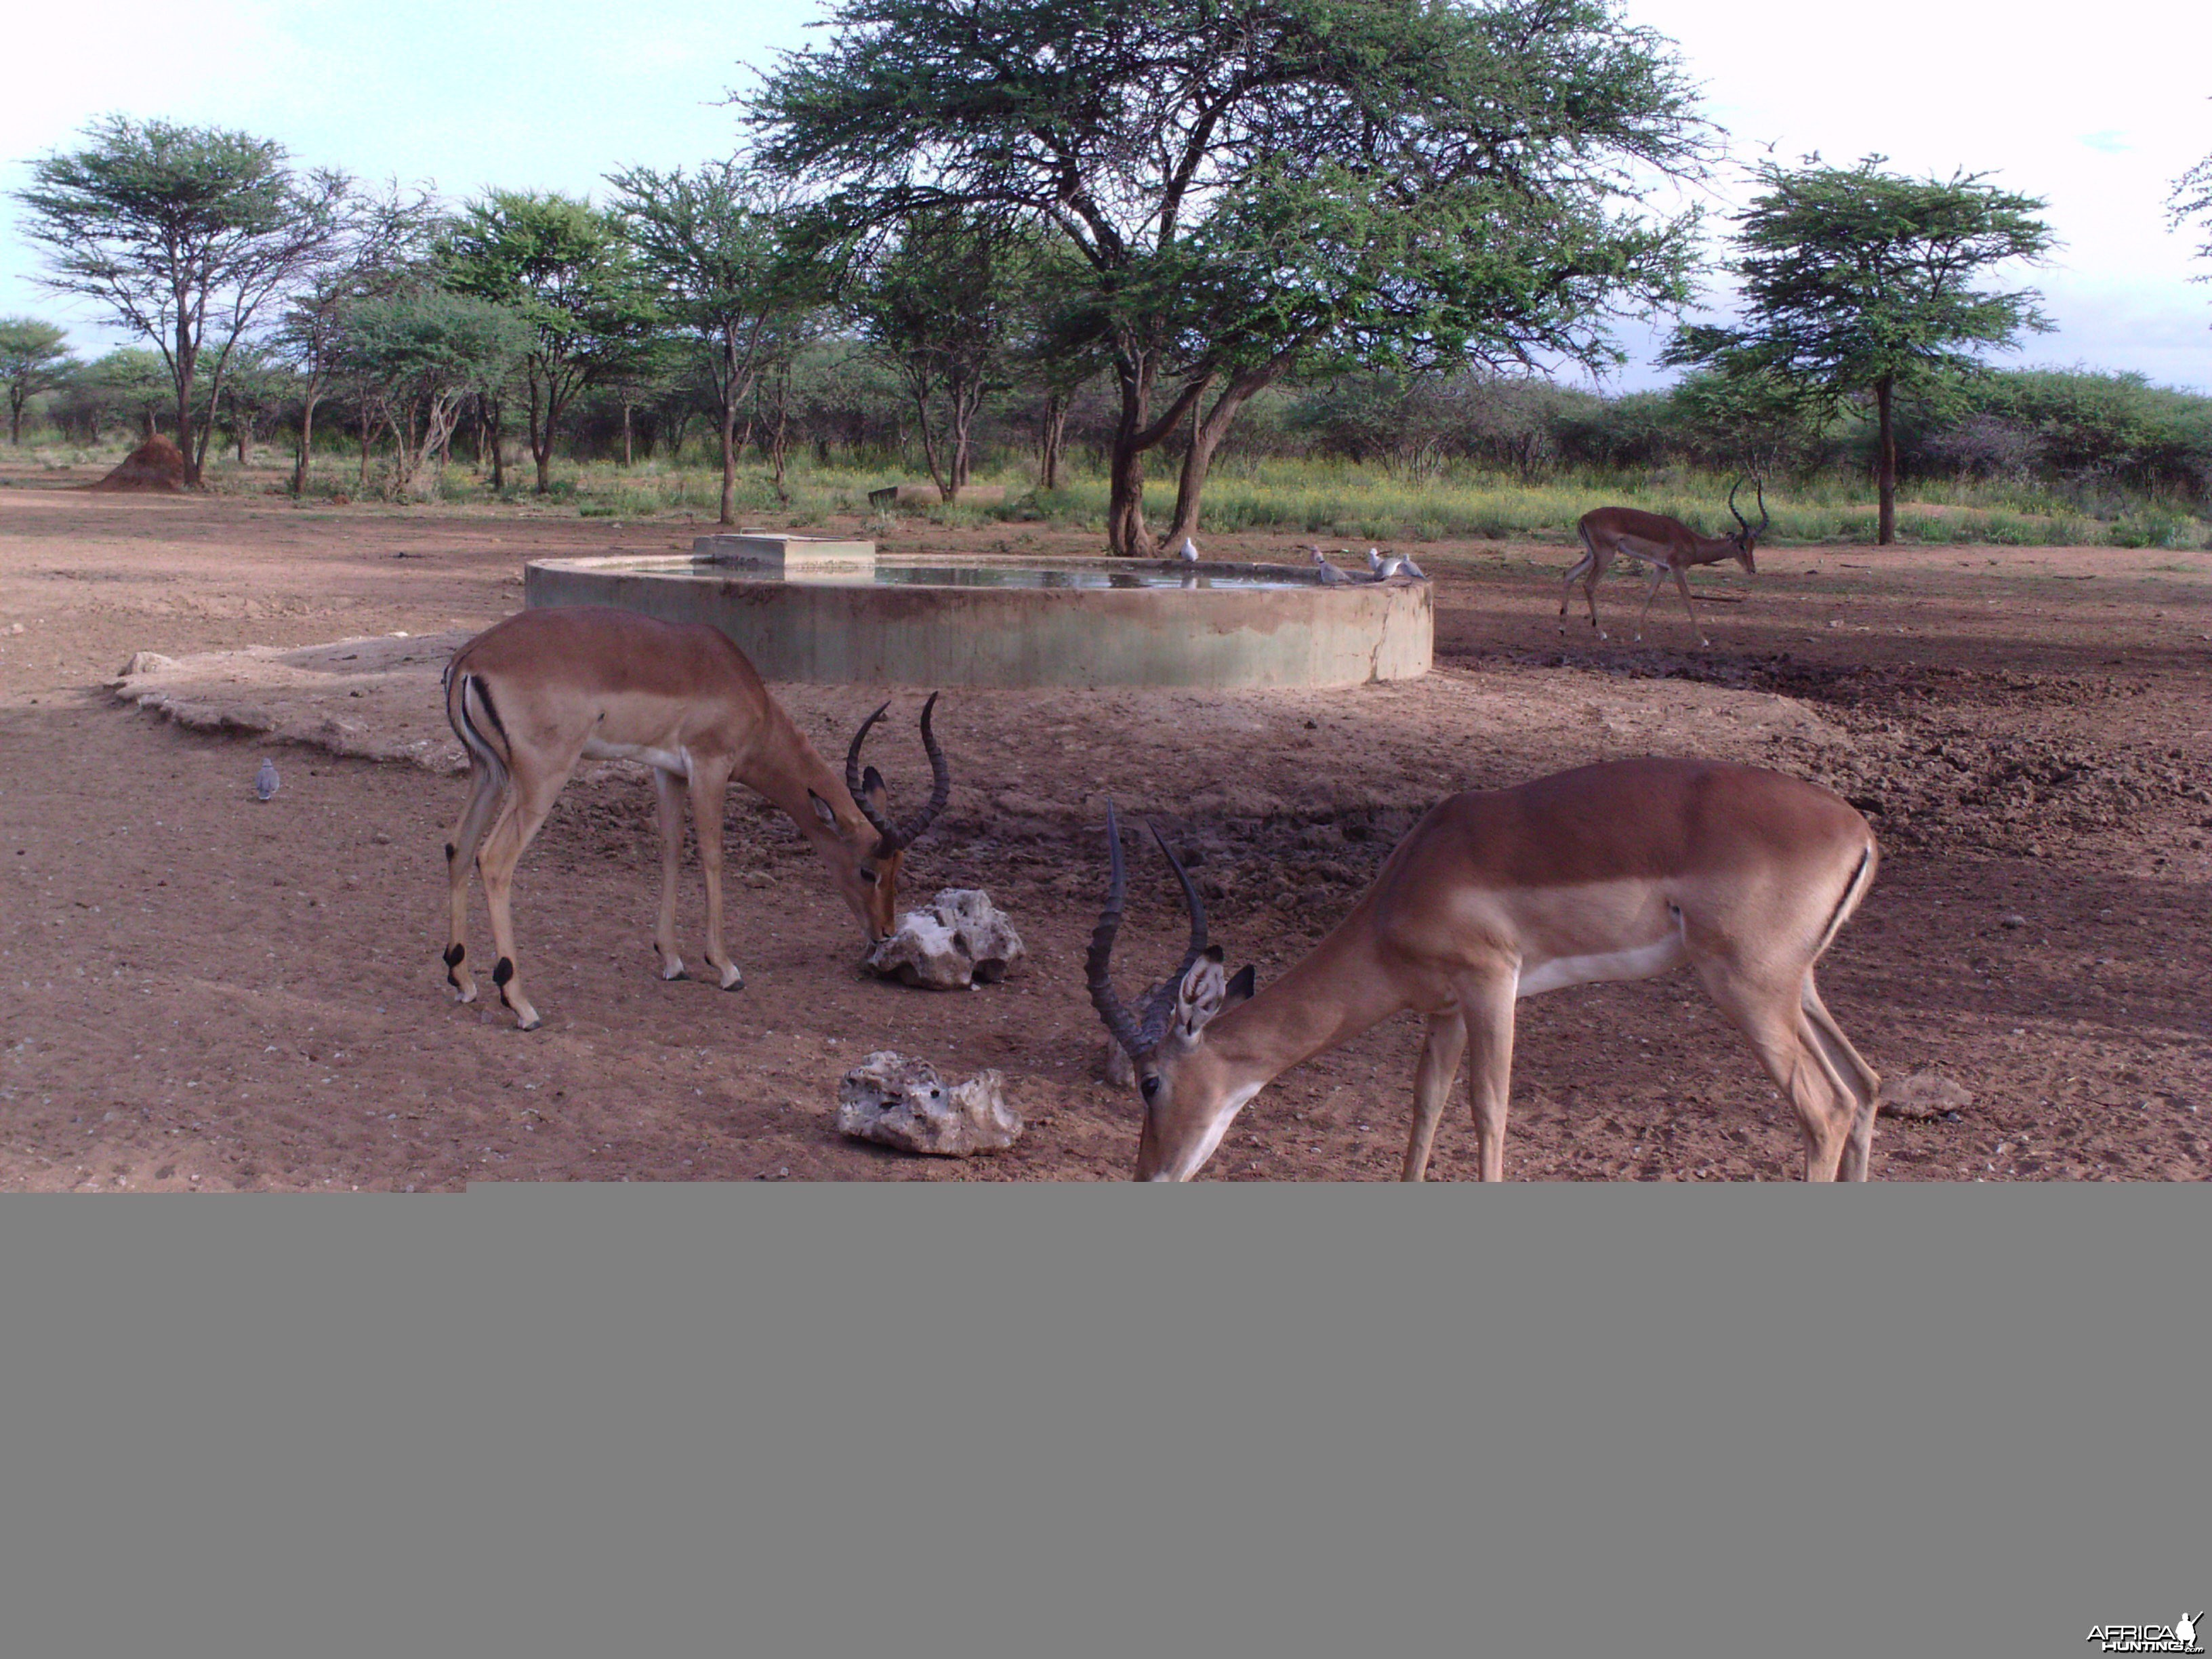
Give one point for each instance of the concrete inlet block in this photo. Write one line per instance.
(789, 556)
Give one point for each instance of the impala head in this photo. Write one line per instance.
(1746, 538)
(1189, 1099)
(868, 872)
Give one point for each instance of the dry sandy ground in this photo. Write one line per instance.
(206, 992)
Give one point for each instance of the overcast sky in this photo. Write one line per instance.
(2098, 118)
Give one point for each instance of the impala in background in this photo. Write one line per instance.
(1669, 546)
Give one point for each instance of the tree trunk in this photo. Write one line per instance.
(14, 418)
(1051, 437)
(937, 474)
(301, 464)
(626, 443)
(367, 430)
(1205, 436)
(1125, 535)
(541, 437)
(728, 512)
(495, 421)
(187, 359)
(1885, 468)
(245, 430)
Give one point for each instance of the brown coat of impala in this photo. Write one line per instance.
(1669, 546)
(1614, 872)
(531, 696)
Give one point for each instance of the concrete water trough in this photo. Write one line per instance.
(834, 612)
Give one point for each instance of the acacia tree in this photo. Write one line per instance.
(185, 234)
(1861, 284)
(565, 269)
(1259, 182)
(717, 247)
(34, 358)
(381, 245)
(259, 383)
(2191, 198)
(130, 383)
(421, 355)
(943, 306)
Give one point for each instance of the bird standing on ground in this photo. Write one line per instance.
(1188, 552)
(264, 780)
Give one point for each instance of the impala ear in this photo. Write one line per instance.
(821, 810)
(1198, 998)
(1239, 988)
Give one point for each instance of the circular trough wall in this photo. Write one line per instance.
(902, 632)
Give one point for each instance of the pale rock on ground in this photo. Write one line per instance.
(961, 940)
(902, 1103)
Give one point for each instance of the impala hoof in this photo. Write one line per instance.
(733, 978)
(465, 993)
(673, 969)
(529, 1021)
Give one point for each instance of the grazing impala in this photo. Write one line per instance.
(1670, 546)
(1613, 871)
(534, 695)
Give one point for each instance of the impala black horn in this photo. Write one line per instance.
(895, 837)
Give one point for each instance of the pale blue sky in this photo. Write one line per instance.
(2098, 118)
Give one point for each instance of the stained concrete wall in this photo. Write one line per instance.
(838, 634)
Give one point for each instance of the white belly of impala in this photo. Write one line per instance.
(677, 761)
(1639, 961)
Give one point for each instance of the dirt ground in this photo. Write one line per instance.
(206, 992)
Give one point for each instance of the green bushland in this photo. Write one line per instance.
(1331, 500)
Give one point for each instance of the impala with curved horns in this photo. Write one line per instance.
(531, 696)
(1669, 546)
(1614, 872)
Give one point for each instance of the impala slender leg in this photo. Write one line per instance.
(668, 797)
(1578, 570)
(1682, 581)
(1770, 1020)
(486, 786)
(1658, 575)
(710, 788)
(1864, 1082)
(1433, 1082)
(502, 850)
(1487, 1007)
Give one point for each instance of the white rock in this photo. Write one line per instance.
(961, 939)
(1924, 1094)
(902, 1103)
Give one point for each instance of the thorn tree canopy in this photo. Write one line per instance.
(943, 306)
(1860, 284)
(183, 234)
(2192, 199)
(34, 357)
(566, 267)
(717, 249)
(1251, 183)
(423, 351)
